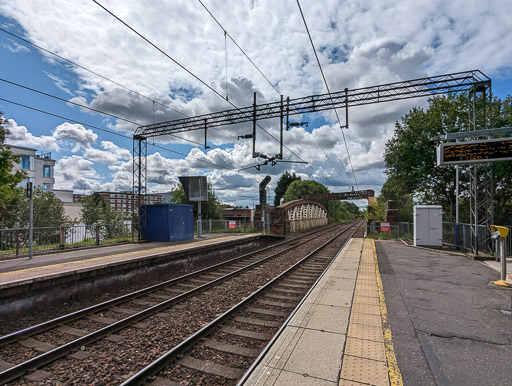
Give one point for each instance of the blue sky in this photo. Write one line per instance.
(359, 44)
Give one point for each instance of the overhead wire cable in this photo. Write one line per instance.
(226, 33)
(104, 77)
(105, 113)
(240, 48)
(86, 107)
(187, 70)
(89, 70)
(328, 90)
(195, 76)
(112, 132)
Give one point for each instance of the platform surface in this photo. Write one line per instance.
(338, 335)
(41, 266)
(449, 322)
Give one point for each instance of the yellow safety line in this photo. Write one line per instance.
(395, 377)
(44, 267)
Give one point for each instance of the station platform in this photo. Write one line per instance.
(26, 282)
(12, 271)
(339, 335)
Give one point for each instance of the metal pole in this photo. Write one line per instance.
(346, 108)
(199, 223)
(457, 194)
(31, 224)
(457, 230)
(254, 128)
(476, 209)
(281, 139)
(263, 217)
(503, 259)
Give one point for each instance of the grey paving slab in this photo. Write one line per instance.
(317, 354)
(334, 297)
(329, 318)
(287, 378)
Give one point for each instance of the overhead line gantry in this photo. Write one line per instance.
(476, 83)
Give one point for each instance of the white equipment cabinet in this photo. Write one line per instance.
(428, 225)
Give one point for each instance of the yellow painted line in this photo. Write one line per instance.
(395, 377)
(100, 258)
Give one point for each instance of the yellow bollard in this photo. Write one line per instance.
(500, 233)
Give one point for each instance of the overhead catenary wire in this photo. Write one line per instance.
(329, 91)
(196, 77)
(226, 33)
(112, 132)
(86, 107)
(240, 48)
(104, 77)
(185, 69)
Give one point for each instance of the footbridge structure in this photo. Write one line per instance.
(298, 216)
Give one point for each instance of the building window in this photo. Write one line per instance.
(46, 187)
(47, 171)
(25, 162)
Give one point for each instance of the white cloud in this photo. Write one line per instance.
(359, 44)
(15, 47)
(19, 135)
(76, 133)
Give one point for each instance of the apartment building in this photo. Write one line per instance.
(126, 202)
(38, 166)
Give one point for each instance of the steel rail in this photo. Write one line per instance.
(155, 367)
(52, 355)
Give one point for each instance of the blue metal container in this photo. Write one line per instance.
(168, 222)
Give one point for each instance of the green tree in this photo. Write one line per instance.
(8, 178)
(48, 210)
(210, 209)
(391, 191)
(94, 209)
(298, 189)
(410, 157)
(282, 184)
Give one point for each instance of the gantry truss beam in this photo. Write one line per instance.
(352, 195)
(441, 84)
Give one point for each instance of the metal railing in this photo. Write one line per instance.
(459, 236)
(225, 226)
(14, 242)
(398, 230)
(454, 235)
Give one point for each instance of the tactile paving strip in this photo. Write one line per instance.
(363, 331)
(365, 349)
(365, 371)
(364, 358)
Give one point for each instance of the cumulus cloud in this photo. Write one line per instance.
(19, 135)
(74, 132)
(359, 44)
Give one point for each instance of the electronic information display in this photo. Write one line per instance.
(481, 151)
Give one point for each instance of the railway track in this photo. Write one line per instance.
(222, 351)
(137, 325)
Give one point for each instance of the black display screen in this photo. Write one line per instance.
(476, 151)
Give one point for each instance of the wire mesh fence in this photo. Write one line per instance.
(14, 242)
(399, 230)
(225, 226)
(460, 235)
(454, 235)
